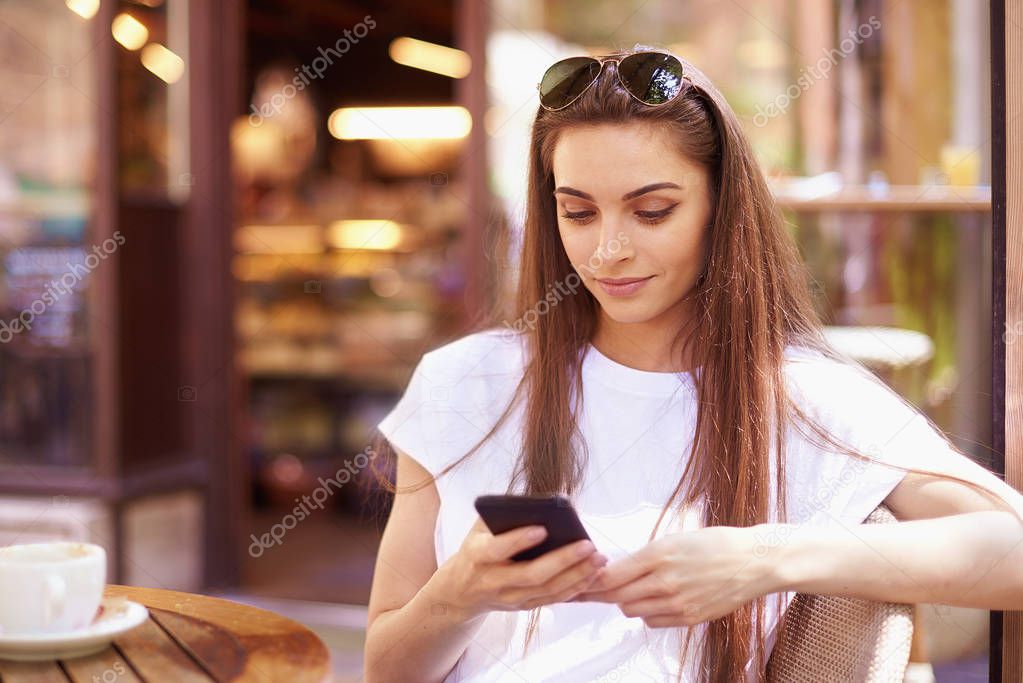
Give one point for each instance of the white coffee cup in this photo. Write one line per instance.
(50, 587)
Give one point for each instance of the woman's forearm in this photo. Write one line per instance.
(421, 641)
(970, 560)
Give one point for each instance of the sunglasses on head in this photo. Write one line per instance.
(652, 78)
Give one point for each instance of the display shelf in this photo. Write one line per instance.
(904, 198)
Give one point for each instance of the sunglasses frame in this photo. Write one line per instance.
(617, 61)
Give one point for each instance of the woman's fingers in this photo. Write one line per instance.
(627, 569)
(563, 595)
(555, 576)
(542, 569)
(647, 586)
(505, 546)
(567, 582)
(663, 605)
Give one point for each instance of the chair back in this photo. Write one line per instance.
(836, 639)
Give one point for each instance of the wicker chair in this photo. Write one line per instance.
(834, 639)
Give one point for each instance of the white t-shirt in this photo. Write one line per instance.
(638, 427)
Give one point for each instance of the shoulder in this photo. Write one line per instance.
(856, 406)
(455, 394)
(491, 353)
(858, 409)
(477, 373)
(816, 380)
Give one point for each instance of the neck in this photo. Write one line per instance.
(648, 345)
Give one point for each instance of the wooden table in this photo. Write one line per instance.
(191, 639)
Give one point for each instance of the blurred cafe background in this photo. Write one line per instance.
(230, 228)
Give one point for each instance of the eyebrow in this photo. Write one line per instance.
(625, 197)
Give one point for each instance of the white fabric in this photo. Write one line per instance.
(638, 426)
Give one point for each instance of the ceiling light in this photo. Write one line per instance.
(380, 123)
(438, 59)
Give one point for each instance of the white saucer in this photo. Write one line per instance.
(117, 616)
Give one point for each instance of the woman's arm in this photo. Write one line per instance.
(422, 618)
(408, 637)
(956, 546)
(972, 560)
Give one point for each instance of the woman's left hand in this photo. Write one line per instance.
(689, 577)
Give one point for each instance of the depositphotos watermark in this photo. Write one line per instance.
(111, 674)
(78, 269)
(816, 72)
(314, 500)
(556, 292)
(820, 501)
(308, 72)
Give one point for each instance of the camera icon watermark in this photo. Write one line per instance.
(187, 394)
(1012, 332)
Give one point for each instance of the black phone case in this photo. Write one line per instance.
(503, 513)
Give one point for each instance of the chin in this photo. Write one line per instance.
(627, 312)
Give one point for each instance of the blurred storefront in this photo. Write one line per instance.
(108, 259)
(219, 269)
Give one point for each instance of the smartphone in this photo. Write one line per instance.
(504, 513)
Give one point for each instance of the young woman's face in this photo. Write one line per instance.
(633, 215)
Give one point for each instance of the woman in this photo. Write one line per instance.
(664, 332)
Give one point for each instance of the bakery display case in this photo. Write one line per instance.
(332, 316)
(360, 206)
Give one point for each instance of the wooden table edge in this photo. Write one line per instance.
(217, 611)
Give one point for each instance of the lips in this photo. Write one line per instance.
(623, 286)
(623, 280)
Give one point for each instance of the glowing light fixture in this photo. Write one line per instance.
(166, 65)
(86, 9)
(438, 59)
(381, 123)
(279, 239)
(364, 234)
(129, 31)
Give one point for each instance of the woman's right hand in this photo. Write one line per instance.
(481, 577)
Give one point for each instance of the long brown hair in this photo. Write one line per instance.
(751, 301)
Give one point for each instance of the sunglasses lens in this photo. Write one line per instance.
(652, 77)
(564, 81)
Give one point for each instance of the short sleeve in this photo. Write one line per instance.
(411, 422)
(825, 484)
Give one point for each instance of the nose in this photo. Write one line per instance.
(615, 245)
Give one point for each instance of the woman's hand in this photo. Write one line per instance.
(686, 578)
(481, 577)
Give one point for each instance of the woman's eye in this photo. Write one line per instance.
(577, 216)
(655, 216)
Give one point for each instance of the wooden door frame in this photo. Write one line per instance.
(1007, 290)
(216, 35)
